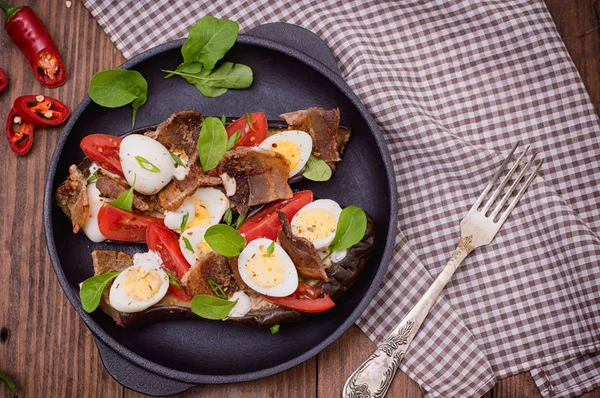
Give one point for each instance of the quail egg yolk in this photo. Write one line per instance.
(315, 224)
(265, 271)
(141, 284)
(203, 248)
(201, 213)
(290, 150)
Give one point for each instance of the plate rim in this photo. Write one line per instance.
(197, 378)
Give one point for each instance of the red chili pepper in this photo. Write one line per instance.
(41, 111)
(28, 33)
(3, 80)
(18, 133)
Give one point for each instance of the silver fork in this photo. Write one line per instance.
(374, 376)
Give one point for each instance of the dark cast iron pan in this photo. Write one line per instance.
(293, 69)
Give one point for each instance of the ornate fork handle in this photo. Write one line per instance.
(374, 376)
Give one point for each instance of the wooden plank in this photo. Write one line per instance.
(50, 352)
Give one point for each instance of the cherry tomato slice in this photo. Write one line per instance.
(250, 136)
(166, 243)
(124, 226)
(265, 223)
(41, 111)
(104, 150)
(18, 133)
(305, 299)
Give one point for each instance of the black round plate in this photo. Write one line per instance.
(201, 351)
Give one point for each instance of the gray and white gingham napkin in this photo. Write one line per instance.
(453, 85)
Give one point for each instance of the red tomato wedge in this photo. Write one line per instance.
(250, 136)
(166, 243)
(104, 150)
(305, 299)
(265, 223)
(124, 226)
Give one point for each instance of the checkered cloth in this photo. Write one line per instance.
(453, 85)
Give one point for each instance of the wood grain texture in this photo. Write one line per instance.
(49, 351)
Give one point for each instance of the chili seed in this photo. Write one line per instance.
(48, 114)
(17, 120)
(39, 98)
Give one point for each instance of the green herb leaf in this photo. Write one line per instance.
(177, 160)
(217, 290)
(114, 88)
(184, 222)
(172, 278)
(210, 307)
(274, 329)
(225, 240)
(213, 83)
(249, 121)
(187, 243)
(239, 221)
(224, 120)
(93, 177)
(317, 169)
(271, 249)
(209, 40)
(231, 141)
(125, 200)
(4, 378)
(351, 228)
(228, 216)
(146, 164)
(212, 143)
(92, 288)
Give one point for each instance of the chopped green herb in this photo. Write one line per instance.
(146, 164)
(239, 221)
(172, 278)
(210, 307)
(274, 329)
(217, 290)
(177, 160)
(231, 141)
(249, 121)
(184, 222)
(317, 169)
(212, 143)
(223, 120)
(4, 378)
(228, 216)
(271, 249)
(187, 243)
(125, 200)
(225, 240)
(93, 178)
(92, 288)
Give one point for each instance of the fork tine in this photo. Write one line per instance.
(520, 194)
(505, 181)
(495, 178)
(512, 188)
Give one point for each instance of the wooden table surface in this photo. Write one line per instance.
(48, 350)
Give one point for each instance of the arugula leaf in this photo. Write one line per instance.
(114, 88)
(239, 221)
(231, 141)
(172, 278)
(249, 122)
(351, 228)
(4, 378)
(274, 329)
(92, 288)
(217, 289)
(209, 40)
(317, 169)
(146, 164)
(93, 178)
(228, 216)
(212, 143)
(271, 249)
(177, 160)
(213, 83)
(210, 307)
(184, 222)
(225, 240)
(188, 245)
(125, 200)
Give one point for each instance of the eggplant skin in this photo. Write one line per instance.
(341, 277)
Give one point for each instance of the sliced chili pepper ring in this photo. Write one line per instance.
(3, 80)
(19, 133)
(41, 111)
